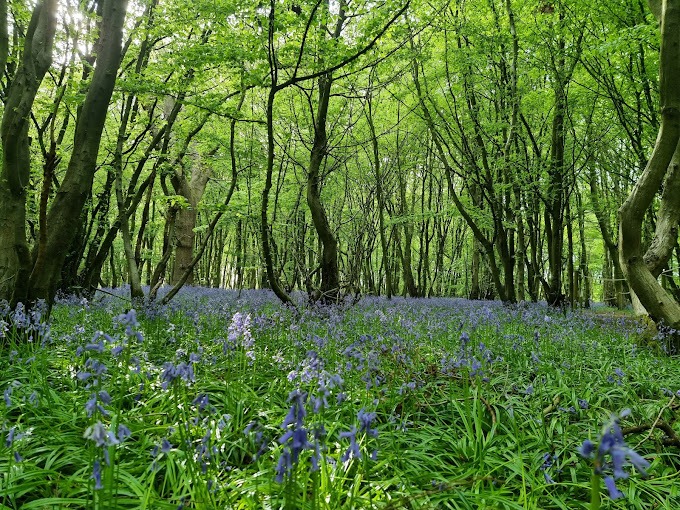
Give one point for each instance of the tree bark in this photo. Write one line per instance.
(77, 183)
(192, 190)
(15, 258)
(660, 305)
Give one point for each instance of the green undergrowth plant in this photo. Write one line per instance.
(232, 401)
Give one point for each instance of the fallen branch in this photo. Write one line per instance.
(671, 438)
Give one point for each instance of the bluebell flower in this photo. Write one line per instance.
(129, 320)
(614, 492)
(165, 446)
(202, 401)
(613, 446)
(9, 441)
(365, 421)
(100, 435)
(583, 404)
(123, 433)
(171, 372)
(92, 405)
(97, 475)
(98, 347)
(586, 449)
(93, 368)
(353, 449)
(283, 466)
(548, 461)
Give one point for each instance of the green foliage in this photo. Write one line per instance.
(462, 422)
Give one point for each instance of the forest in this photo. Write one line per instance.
(339, 254)
(337, 148)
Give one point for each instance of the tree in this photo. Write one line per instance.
(15, 259)
(663, 168)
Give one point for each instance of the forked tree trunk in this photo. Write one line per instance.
(639, 272)
(330, 272)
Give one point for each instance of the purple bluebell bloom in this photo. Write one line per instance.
(100, 435)
(353, 450)
(613, 446)
(365, 421)
(97, 475)
(9, 441)
(123, 433)
(165, 446)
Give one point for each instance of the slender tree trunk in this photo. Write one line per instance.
(192, 190)
(379, 197)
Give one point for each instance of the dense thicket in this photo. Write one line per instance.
(341, 147)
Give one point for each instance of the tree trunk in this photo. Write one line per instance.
(192, 190)
(15, 258)
(379, 197)
(77, 183)
(660, 305)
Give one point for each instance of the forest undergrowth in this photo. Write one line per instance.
(229, 400)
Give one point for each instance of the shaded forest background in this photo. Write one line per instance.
(416, 148)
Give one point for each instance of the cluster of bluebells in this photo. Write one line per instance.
(549, 460)
(102, 439)
(239, 335)
(469, 357)
(295, 438)
(129, 320)
(12, 437)
(366, 420)
(165, 447)
(311, 371)
(29, 325)
(259, 438)
(611, 455)
(365, 359)
(171, 372)
(617, 378)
